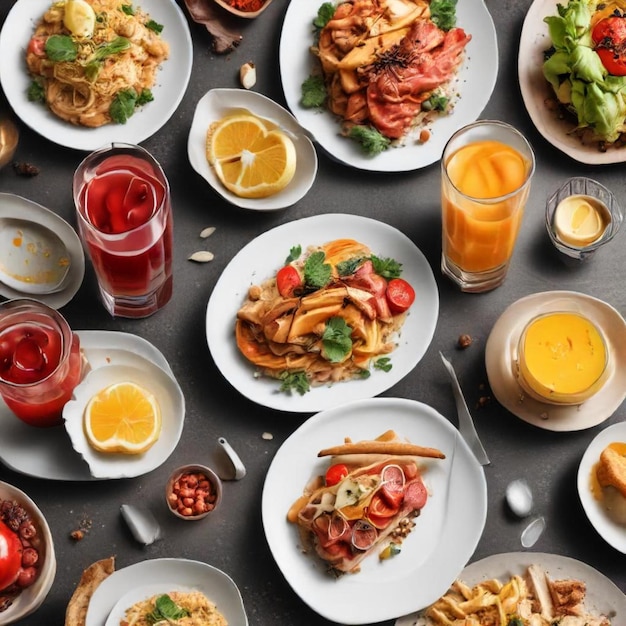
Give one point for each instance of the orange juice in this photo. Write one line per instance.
(481, 210)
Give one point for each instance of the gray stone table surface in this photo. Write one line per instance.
(233, 539)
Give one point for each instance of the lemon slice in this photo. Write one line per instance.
(122, 417)
(79, 18)
(252, 159)
(580, 220)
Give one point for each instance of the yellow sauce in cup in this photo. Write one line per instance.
(562, 358)
(580, 220)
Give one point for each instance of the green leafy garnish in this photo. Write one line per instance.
(313, 92)
(123, 105)
(36, 92)
(117, 45)
(336, 340)
(154, 26)
(324, 15)
(515, 621)
(294, 254)
(316, 272)
(144, 97)
(436, 102)
(294, 381)
(61, 48)
(383, 364)
(372, 141)
(387, 268)
(349, 266)
(165, 609)
(443, 13)
(127, 9)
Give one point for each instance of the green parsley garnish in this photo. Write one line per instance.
(294, 254)
(348, 267)
(61, 48)
(443, 13)
(372, 141)
(336, 340)
(324, 15)
(294, 381)
(154, 26)
(316, 272)
(127, 9)
(436, 102)
(387, 268)
(383, 364)
(165, 609)
(125, 103)
(36, 92)
(117, 45)
(313, 92)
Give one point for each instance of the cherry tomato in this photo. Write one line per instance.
(400, 295)
(609, 35)
(335, 474)
(37, 45)
(10, 556)
(288, 280)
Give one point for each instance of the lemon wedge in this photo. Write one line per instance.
(580, 220)
(79, 18)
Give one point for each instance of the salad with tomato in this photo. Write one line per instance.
(586, 67)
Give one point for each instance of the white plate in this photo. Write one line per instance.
(262, 257)
(610, 531)
(169, 397)
(164, 575)
(21, 208)
(218, 103)
(170, 86)
(501, 352)
(474, 84)
(444, 538)
(48, 452)
(535, 89)
(602, 596)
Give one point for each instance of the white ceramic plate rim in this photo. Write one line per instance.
(31, 598)
(21, 208)
(167, 573)
(218, 103)
(474, 83)
(169, 89)
(501, 349)
(602, 595)
(47, 452)
(534, 41)
(446, 533)
(254, 264)
(610, 531)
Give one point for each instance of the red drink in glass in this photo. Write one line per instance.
(125, 221)
(40, 361)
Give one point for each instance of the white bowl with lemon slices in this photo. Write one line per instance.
(251, 150)
(125, 420)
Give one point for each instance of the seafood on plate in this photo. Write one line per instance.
(331, 313)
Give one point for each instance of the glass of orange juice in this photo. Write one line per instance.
(486, 169)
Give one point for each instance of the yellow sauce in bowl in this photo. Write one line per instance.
(580, 220)
(562, 358)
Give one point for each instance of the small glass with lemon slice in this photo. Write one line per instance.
(582, 216)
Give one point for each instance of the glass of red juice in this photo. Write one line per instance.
(40, 361)
(122, 199)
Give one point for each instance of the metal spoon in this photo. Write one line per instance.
(9, 136)
(33, 258)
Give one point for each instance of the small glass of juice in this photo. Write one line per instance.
(486, 170)
(122, 200)
(40, 361)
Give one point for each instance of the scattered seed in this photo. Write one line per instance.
(207, 232)
(463, 342)
(202, 256)
(267, 436)
(247, 75)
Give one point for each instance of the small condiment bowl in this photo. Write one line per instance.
(245, 14)
(177, 487)
(595, 193)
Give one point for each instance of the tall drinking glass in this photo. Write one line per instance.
(40, 361)
(486, 169)
(122, 199)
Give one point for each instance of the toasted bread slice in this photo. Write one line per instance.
(611, 470)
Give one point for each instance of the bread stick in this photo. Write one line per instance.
(398, 448)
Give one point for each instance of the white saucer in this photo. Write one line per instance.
(501, 353)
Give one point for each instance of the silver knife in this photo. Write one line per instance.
(466, 423)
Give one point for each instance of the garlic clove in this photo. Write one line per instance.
(207, 232)
(202, 256)
(247, 75)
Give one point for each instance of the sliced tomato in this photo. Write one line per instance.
(381, 507)
(288, 279)
(400, 295)
(335, 474)
(10, 556)
(37, 46)
(609, 36)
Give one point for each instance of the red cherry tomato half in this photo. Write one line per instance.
(335, 474)
(37, 45)
(609, 35)
(288, 280)
(10, 556)
(400, 295)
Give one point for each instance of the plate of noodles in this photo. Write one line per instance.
(258, 262)
(468, 89)
(81, 95)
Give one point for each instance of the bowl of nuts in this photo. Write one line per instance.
(193, 491)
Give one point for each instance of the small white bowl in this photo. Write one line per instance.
(218, 103)
(193, 468)
(32, 597)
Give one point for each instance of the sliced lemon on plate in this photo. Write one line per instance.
(79, 18)
(252, 159)
(123, 417)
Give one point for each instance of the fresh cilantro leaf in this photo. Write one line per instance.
(364, 374)
(117, 45)
(294, 381)
(316, 272)
(294, 254)
(345, 268)
(437, 102)
(61, 48)
(128, 9)
(123, 105)
(387, 268)
(313, 92)
(165, 609)
(372, 142)
(336, 340)
(154, 26)
(144, 97)
(36, 92)
(384, 364)
(443, 13)
(324, 15)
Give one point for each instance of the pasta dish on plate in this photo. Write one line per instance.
(330, 314)
(94, 61)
